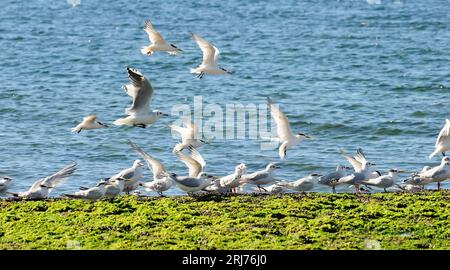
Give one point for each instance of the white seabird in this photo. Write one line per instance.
(285, 135)
(114, 187)
(42, 188)
(161, 180)
(197, 179)
(273, 189)
(215, 187)
(232, 181)
(192, 184)
(358, 161)
(93, 193)
(436, 174)
(302, 185)
(158, 42)
(89, 122)
(189, 135)
(362, 170)
(332, 179)
(210, 63)
(131, 176)
(384, 181)
(5, 183)
(141, 91)
(259, 178)
(195, 162)
(443, 140)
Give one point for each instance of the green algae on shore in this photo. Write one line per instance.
(291, 221)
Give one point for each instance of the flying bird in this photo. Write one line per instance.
(42, 187)
(285, 135)
(210, 63)
(262, 177)
(443, 140)
(384, 181)
(89, 122)
(158, 42)
(189, 135)
(141, 91)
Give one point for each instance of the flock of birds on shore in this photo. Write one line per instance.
(197, 179)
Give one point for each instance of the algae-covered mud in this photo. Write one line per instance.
(312, 221)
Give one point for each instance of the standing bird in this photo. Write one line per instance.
(192, 184)
(215, 187)
(332, 179)
(158, 42)
(384, 181)
(158, 185)
(436, 174)
(197, 179)
(357, 163)
(443, 140)
(131, 176)
(141, 91)
(362, 171)
(285, 135)
(273, 189)
(210, 63)
(42, 188)
(89, 122)
(4, 184)
(303, 184)
(161, 180)
(114, 187)
(93, 193)
(409, 187)
(232, 181)
(259, 178)
(189, 135)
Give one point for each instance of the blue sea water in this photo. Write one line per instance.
(348, 73)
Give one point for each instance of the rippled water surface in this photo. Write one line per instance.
(349, 73)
